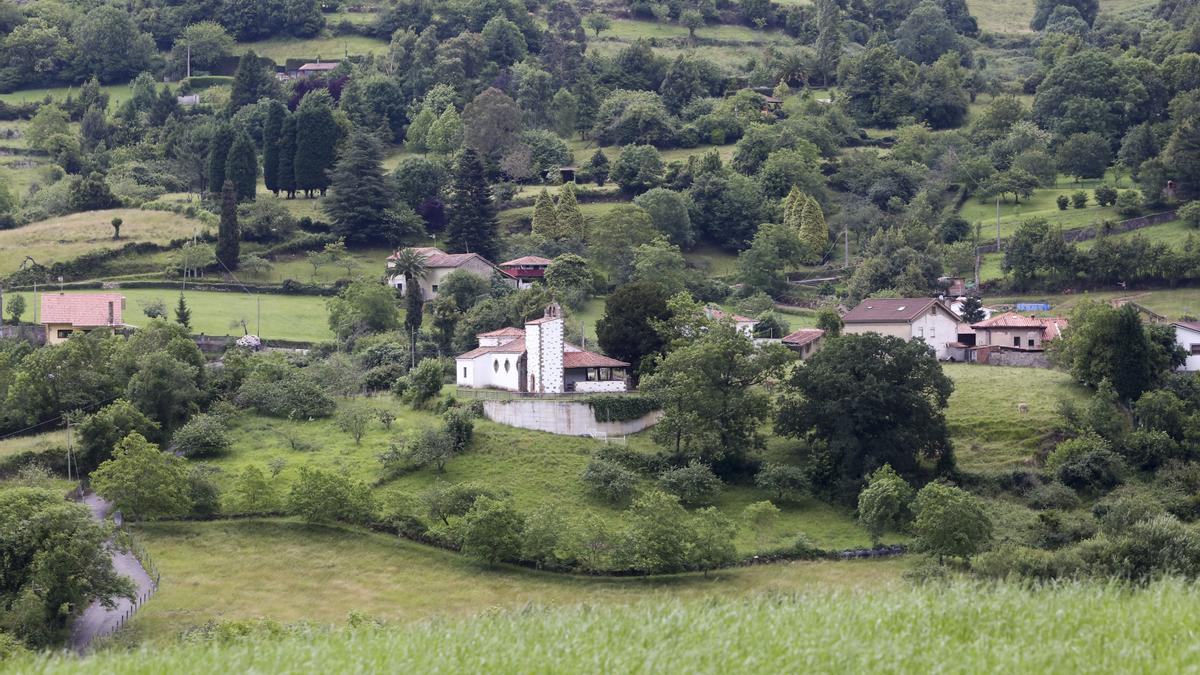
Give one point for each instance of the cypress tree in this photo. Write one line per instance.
(218, 153)
(598, 167)
(545, 216)
(183, 315)
(414, 308)
(316, 141)
(271, 134)
(570, 217)
(228, 233)
(793, 208)
(814, 233)
(286, 175)
(250, 83)
(472, 222)
(241, 167)
(361, 203)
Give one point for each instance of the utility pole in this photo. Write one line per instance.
(258, 317)
(189, 60)
(997, 224)
(846, 244)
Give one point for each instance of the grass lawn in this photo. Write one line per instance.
(35, 443)
(117, 94)
(291, 317)
(502, 458)
(1013, 16)
(988, 431)
(628, 30)
(1172, 302)
(288, 571)
(372, 262)
(714, 262)
(68, 237)
(517, 220)
(1040, 205)
(280, 49)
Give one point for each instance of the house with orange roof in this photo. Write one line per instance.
(537, 359)
(1015, 331)
(439, 265)
(805, 342)
(527, 270)
(67, 314)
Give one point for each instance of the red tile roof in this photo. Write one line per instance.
(515, 347)
(504, 332)
(892, 310)
(590, 360)
(527, 260)
(1051, 327)
(82, 309)
(803, 337)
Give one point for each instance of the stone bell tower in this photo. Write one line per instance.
(544, 352)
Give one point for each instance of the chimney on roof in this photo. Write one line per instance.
(110, 312)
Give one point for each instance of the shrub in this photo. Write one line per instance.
(1149, 449)
(883, 504)
(293, 395)
(609, 481)
(382, 378)
(424, 382)
(1117, 515)
(1190, 214)
(1129, 203)
(1053, 496)
(950, 521)
(785, 482)
(1148, 549)
(1095, 471)
(460, 428)
(203, 436)
(1079, 199)
(694, 484)
(204, 490)
(634, 460)
(1074, 448)
(1106, 195)
(1063, 201)
(1009, 560)
(320, 496)
(1056, 529)
(443, 501)
(491, 530)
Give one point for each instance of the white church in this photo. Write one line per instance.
(537, 359)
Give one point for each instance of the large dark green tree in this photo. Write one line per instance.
(1106, 344)
(926, 34)
(251, 82)
(272, 133)
(626, 331)
(218, 154)
(873, 400)
(472, 222)
(286, 173)
(317, 135)
(1088, 9)
(241, 167)
(228, 233)
(362, 202)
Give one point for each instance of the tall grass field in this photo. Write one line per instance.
(960, 628)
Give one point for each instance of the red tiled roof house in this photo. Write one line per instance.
(1015, 331)
(526, 270)
(64, 314)
(439, 265)
(925, 319)
(538, 360)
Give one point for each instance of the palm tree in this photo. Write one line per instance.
(411, 264)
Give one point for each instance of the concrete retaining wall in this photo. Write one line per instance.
(568, 418)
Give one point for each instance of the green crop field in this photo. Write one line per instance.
(290, 317)
(68, 237)
(117, 94)
(288, 571)
(280, 49)
(955, 628)
(988, 430)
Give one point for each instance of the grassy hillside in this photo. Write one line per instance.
(961, 628)
(218, 570)
(1013, 16)
(68, 237)
(291, 317)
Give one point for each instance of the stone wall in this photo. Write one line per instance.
(36, 335)
(568, 418)
(1012, 357)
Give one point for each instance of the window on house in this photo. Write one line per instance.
(932, 332)
(506, 365)
(592, 374)
(64, 334)
(434, 288)
(1030, 342)
(619, 374)
(605, 374)
(921, 332)
(464, 371)
(1016, 342)
(1196, 350)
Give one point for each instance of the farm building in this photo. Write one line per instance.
(64, 315)
(926, 319)
(439, 265)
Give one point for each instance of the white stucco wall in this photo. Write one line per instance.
(488, 371)
(610, 386)
(567, 418)
(935, 327)
(1186, 337)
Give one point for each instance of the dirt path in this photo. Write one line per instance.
(98, 621)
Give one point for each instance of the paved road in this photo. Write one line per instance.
(97, 621)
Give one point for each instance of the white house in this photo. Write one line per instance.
(1187, 335)
(538, 360)
(439, 265)
(926, 319)
(743, 324)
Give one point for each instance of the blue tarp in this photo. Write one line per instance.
(1033, 307)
